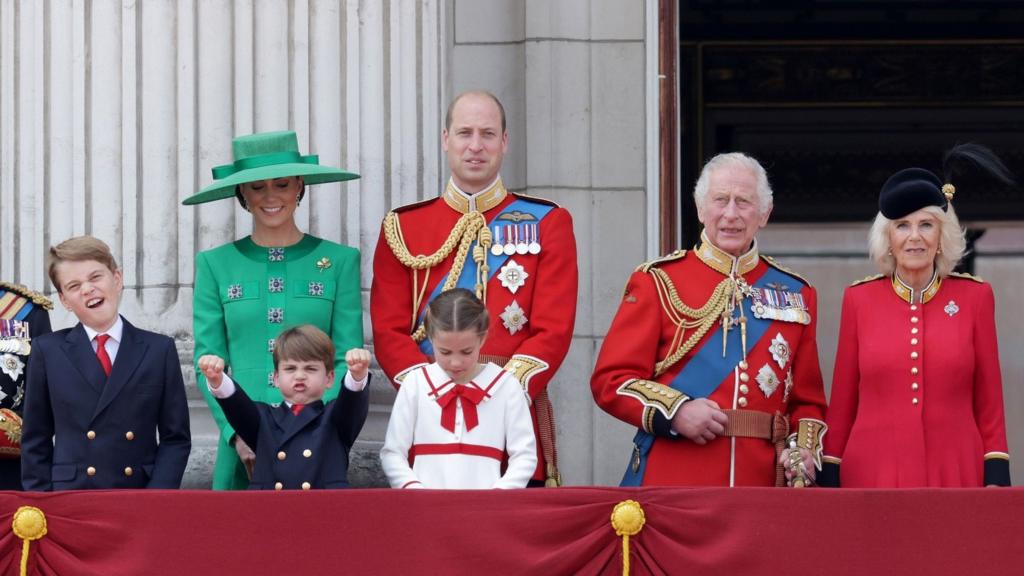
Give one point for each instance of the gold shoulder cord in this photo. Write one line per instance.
(701, 319)
(471, 226)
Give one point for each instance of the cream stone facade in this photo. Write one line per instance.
(113, 111)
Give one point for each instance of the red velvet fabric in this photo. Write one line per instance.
(719, 531)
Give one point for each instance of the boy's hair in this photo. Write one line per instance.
(78, 249)
(304, 343)
(456, 310)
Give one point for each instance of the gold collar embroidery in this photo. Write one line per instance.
(908, 295)
(481, 202)
(722, 261)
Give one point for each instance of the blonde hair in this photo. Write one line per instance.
(734, 160)
(952, 242)
(78, 249)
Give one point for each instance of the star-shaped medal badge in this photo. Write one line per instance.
(513, 276)
(767, 381)
(780, 350)
(951, 308)
(514, 317)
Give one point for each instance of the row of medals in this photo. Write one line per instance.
(519, 239)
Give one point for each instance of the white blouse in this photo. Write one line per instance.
(461, 459)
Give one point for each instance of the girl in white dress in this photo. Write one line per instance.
(455, 420)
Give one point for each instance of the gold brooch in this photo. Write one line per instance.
(323, 263)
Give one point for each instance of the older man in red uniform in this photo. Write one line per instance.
(516, 252)
(712, 354)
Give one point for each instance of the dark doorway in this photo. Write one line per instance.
(834, 96)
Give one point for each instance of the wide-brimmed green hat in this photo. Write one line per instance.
(264, 156)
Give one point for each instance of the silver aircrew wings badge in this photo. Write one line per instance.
(771, 304)
(513, 276)
(514, 317)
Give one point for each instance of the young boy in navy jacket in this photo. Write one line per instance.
(105, 401)
(301, 443)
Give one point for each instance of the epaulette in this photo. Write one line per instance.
(967, 276)
(671, 256)
(771, 262)
(37, 298)
(535, 199)
(871, 278)
(408, 207)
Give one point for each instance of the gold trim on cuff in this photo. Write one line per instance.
(653, 395)
(997, 456)
(809, 435)
(524, 367)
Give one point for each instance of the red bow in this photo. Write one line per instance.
(471, 396)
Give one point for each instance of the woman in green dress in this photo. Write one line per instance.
(248, 291)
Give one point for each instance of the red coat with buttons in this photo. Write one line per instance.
(917, 395)
(642, 334)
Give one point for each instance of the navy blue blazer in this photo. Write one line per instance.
(107, 429)
(300, 452)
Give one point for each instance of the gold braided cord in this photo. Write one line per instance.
(701, 320)
(463, 234)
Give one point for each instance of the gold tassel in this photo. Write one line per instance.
(627, 520)
(29, 524)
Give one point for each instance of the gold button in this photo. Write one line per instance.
(278, 486)
(129, 435)
(307, 452)
(744, 377)
(913, 306)
(914, 400)
(913, 330)
(742, 401)
(914, 386)
(281, 455)
(913, 319)
(743, 365)
(913, 355)
(90, 471)
(306, 486)
(913, 370)
(744, 389)
(913, 341)
(91, 434)
(128, 471)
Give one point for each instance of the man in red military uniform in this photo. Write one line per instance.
(712, 354)
(516, 252)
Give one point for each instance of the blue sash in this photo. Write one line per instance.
(467, 279)
(707, 368)
(26, 307)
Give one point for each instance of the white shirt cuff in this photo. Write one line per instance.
(226, 388)
(356, 385)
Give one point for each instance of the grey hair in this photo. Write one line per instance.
(734, 159)
(952, 242)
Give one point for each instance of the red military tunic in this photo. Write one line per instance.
(531, 297)
(780, 373)
(917, 396)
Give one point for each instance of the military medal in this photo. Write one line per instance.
(951, 308)
(767, 381)
(514, 317)
(11, 365)
(534, 247)
(497, 248)
(513, 276)
(780, 350)
(522, 248)
(510, 246)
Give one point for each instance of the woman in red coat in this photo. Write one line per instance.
(917, 395)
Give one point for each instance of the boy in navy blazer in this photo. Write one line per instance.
(105, 401)
(300, 443)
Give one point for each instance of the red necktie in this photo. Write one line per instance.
(296, 408)
(101, 352)
(471, 396)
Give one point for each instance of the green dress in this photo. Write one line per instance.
(245, 295)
